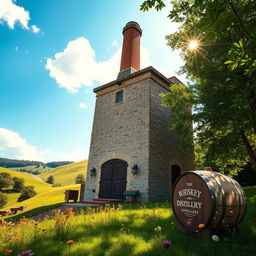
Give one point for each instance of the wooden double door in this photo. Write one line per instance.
(113, 179)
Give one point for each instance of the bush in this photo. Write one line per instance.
(80, 179)
(3, 200)
(18, 184)
(5, 180)
(27, 193)
(50, 180)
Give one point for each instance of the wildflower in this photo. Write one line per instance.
(70, 241)
(158, 228)
(165, 244)
(26, 253)
(8, 250)
(215, 238)
(201, 225)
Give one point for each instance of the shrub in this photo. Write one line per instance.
(80, 179)
(27, 193)
(50, 180)
(5, 180)
(18, 184)
(3, 200)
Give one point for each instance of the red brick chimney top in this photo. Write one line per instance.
(130, 60)
(132, 24)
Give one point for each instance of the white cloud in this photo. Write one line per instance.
(114, 43)
(82, 105)
(77, 65)
(13, 146)
(75, 156)
(11, 14)
(35, 29)
(16, 48)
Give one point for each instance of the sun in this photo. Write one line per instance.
(193, 45)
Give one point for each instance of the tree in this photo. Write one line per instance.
(5, 180)
(222, 66)
(50, 179)
(80, 179)
(18, 184)
(27, 193)
(3, 200)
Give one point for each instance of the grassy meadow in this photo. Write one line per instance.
(66, 174)
(122, 229)
(46, 194)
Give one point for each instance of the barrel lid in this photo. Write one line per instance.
(192, 200)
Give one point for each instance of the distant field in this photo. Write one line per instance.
(46, 194)
(30, 180)
(66, 174)
(33, 168)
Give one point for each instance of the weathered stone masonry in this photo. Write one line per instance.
(135, 130)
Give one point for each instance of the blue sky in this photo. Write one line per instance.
(53, 53)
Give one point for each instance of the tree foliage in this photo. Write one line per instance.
(9, 163)
(27, 193)
(223, 71)
(3, 200)
(79, 179)
(50, 179)
(5, 180)
(18, 184)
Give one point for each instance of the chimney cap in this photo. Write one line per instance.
(132, 24)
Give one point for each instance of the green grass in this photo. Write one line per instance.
(66, 174)
(46, 194)
(30, 180)
(126, 230)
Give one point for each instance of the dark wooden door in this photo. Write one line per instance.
(113, 179)
(175, 173)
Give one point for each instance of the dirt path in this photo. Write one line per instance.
(36, 177)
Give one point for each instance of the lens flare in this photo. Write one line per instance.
(193, 45)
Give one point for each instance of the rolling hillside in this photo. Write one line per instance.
(30, 180)
(66, 174)
(34, 168)
(46, 194)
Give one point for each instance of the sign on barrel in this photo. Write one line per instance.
(209, 200)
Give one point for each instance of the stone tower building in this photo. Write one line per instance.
(132, 147)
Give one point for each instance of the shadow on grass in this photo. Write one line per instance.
(32, 212)
(9, 191)
(134, 235)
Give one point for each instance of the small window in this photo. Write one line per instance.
(119, 96)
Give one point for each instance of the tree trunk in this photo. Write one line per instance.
(249, 149)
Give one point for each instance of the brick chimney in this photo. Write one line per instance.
(130, 60)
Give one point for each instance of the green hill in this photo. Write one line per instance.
(46, 194)
(66, 174)
(32, 168)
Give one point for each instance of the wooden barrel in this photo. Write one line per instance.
(203, 199)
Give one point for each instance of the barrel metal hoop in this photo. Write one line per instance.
(223, 200)
(212, 194)
(240, 192)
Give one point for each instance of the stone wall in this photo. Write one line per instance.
(136, 131)
(121, 131)
(163, 147)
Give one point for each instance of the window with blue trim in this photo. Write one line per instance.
(119, 96)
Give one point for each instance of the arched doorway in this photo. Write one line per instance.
(176, 171)
(113, 179)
